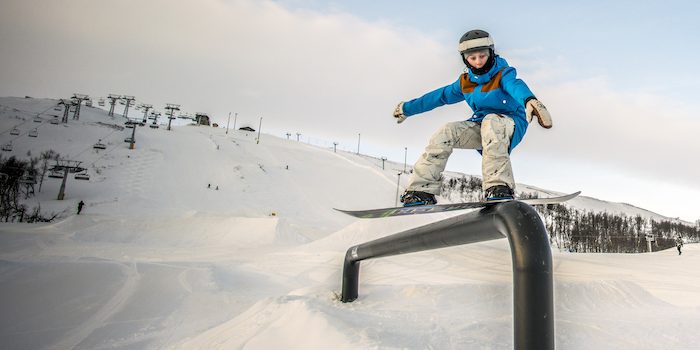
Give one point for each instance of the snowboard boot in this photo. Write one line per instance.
(498, 192)
(413, 198)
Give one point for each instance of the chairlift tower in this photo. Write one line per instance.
(28, 180)
(66, 104)
(127, 100)
(72, 166)
(132, 141)
(78, 101)
(112, 101)
(145, 107)
(155, 115)
(171, 109)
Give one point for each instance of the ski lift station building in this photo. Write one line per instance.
(202, 119)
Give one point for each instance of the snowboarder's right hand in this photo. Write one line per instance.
(398, 113)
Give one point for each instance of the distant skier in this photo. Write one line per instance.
(679, 244)
(80, 206)
(503, 106)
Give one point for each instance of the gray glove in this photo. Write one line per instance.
(398, 113)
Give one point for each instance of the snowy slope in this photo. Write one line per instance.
(159, 260)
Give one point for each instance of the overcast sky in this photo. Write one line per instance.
(619, 77)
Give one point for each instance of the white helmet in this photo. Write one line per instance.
(475, 40)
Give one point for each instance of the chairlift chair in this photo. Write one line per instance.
(153, 126)
(38, 119)
(99, 145)
(56, 173)
(28, 179)
(14, 131)
(54, 121)
(33, 133)
(82, 176)
(76, 169)
(7, 147)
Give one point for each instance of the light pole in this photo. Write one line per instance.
(259, 127)
(227, 122)
(335, 144)
(398, 183)
(405, 157)
(358, 143)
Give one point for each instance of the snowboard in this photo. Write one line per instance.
(441, 208)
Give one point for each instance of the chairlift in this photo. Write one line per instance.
(38, 119)
(14, 131)
(33, 133)
(54, 121)
(57, 108)
(28, 179)
(56, 173)
(76, 169)
(153, 126)
(129, 140)
(7, 147)
(82, 176)
(99, 145)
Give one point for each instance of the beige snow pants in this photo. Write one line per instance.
(492, 136)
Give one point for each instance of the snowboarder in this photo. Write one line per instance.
(80, 206)
(502, 106)
(679, 244)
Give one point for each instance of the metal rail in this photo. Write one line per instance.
(533, 302)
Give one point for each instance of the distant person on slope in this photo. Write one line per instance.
(503, 106)
(679, 244)
(80, 206)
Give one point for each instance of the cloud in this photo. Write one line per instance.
(298, 69)
(331, 75)
(642, 134)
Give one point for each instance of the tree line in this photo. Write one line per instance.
(18, 179)
(585, 231)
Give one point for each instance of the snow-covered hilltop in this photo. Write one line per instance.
(198, 239)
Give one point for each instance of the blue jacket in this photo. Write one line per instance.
(498, 91)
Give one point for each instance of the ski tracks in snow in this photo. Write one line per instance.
(138, 171)
(99, 319)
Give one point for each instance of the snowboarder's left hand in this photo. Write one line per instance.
(398, 113)
(536, 108)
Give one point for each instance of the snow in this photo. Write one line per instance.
(159, 260)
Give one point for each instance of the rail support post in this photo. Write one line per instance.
(533, 296)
